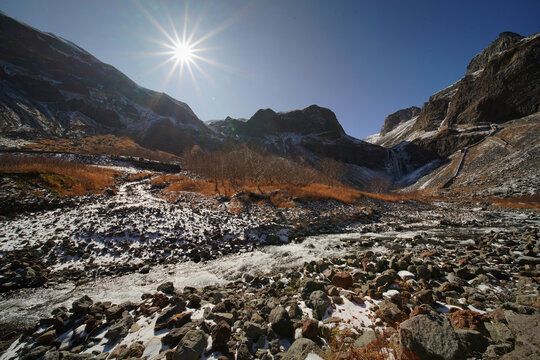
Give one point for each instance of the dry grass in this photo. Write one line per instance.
(102, 145)
(63, 177)
(524, 202)
(279, 195)
(340, 349)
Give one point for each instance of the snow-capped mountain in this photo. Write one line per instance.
(50, 87)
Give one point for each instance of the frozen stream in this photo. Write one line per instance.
(31, 305)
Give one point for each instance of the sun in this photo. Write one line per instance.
(183, 52)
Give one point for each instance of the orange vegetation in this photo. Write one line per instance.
(101, 145)
(527, 202)
(61, 176)
(280, 195)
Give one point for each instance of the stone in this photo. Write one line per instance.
(135, 350)
(191, 346)
(528, 260)
(295, 312)
(386, 278)
(280, 321)
(526, 329)
(343, 280)
(450, 286)
(166, 287)
(468, 319)
(301, 348)
(310, 329)
(499, 332)
(179, 320)
(173, 337)
(166, 314)
(367, 337)
(221, 333)
(429, 337)
(120, 329)
(472, 342)
(46, 338)
(242, 353)
(311, 286)
(319, 302)
(82, 305)
(425, 297)
(390, 312)
(254, 330)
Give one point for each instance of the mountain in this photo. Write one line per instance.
(50, 87)
(485, 123)
(314, 133)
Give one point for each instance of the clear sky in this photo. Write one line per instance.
(362, 59)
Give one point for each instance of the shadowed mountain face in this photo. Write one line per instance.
(52, 88)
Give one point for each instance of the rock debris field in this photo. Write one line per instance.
(132, 275)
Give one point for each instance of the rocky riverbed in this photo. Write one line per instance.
(468, 272)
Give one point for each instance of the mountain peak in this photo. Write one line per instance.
(505, 40)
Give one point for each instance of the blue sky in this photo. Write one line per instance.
(364, 60)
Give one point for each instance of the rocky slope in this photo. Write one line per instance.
(50, 87)
(502, 85)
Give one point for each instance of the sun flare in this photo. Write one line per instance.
(183, 52)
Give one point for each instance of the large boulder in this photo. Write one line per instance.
(526, 329)
(429, 337)
(191, 346)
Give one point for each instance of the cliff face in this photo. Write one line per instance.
(399, 117)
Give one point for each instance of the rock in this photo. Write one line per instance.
(135, 350)
(166, 314)
(497, 350)
(526, 329)
(499, 332)
(52, 355)
(221, 333)
(242, 353)
(301, 348)
(310, 329)
(46, 338)
(425, 297)
(173, 337)
(319, 302)
(472, 342)
(429, 337)
(423, 272)
(227, 317)
(120, 329)
(179, 320)
(390, 312)
(191, 346)
(468, 319)
(367, 337)
(280, 321)
(343, 280)
(450, 286)
(82, 305)
(528, 260)
(386, 278)
(254, 330)
(166, 287)
(399, 117)
(295, 312)
(311, 286)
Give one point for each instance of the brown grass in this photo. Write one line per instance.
(380, 349)
(279, 195)
(60, 176)
(524, 202)
(102, 145)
